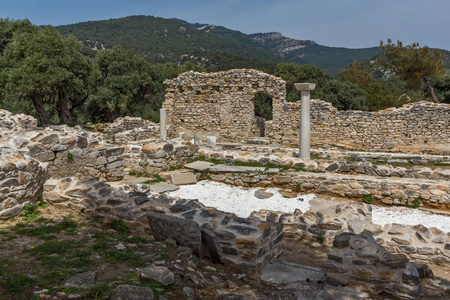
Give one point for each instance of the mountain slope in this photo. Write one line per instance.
(161, 40)
(215, 47)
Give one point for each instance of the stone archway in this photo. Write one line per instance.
(263, 104)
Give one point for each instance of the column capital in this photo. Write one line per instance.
(305, 86)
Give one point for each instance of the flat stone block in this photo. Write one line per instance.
(283, 272)
(182, 178)
(199, 165)
(163, 187)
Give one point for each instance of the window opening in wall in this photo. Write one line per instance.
(263, 111)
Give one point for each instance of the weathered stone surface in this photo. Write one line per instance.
(10, 212)
(162, 187)
(283, 272)
(211, 243)
(199, 166)
(158, 274)
(131, 292)
(182, 178)
(84, 280)
(260, 194)
(185, 232)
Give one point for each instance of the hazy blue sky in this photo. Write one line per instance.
(343, 23)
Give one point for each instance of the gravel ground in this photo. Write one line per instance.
(242, 202)
(409, 216)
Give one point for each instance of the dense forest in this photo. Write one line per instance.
(62, 80)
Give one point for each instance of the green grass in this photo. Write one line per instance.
(100, 291)
(119, 226)
(131, 173)
(416, 202)
(32, 211)
(16, 283)
(114, 256)
(44, 231)
(368, 199)
(156, 180)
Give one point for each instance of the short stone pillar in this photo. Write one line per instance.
(305, 119)
(163, 124)
(197, 140)
(211, 141)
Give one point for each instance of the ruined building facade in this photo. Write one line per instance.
(222, 104)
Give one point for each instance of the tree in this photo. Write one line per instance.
(293, 73)
(414, 64)
(361, 76)
(41, 66)
(442, 88)
(345, 95)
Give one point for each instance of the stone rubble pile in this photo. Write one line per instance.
(124, 130)
(161, 156)
(16, 122)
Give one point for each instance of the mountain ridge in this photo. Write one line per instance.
(215, 47)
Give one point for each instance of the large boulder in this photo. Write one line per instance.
(185, 232)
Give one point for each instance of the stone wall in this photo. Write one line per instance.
(359, 262)
(160, 156)
(244, 243)
(420, 244)
(69, 152)
(21, 180)
(420, 123)
(220, 104)
(127, 129)
(396, 191)
(16, 122)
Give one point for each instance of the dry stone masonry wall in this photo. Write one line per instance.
(412, 124)
(69, 152)
(358, 261)
(127, 129)
(21, 180)
(244, 243)
(221, 104)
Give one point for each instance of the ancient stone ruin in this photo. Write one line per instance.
(89, 172)
(221, 104)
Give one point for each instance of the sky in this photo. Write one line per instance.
(336, 23)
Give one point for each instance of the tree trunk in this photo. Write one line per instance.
(63, 109)
(431, 90)
(40, 110)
